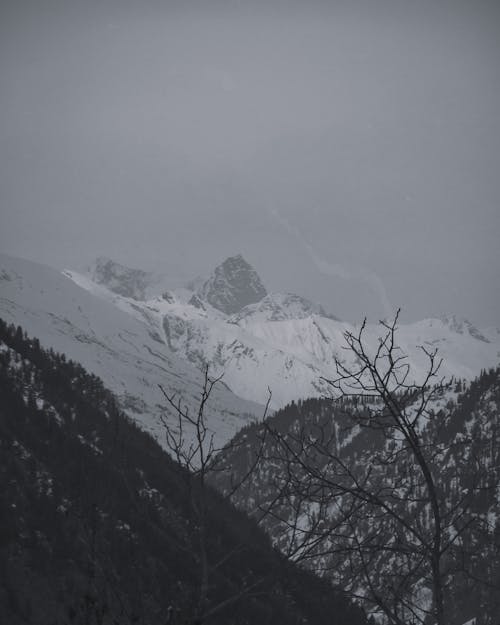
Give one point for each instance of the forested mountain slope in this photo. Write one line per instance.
(351, 502)
(97, 526)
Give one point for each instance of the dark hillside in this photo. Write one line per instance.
(95, 521)
(460, 435)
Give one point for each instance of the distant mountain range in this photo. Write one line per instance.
(126, 326)
(282, 341)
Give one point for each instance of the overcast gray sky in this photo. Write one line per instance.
(350, 150)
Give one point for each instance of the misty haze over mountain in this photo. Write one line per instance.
(250, 312)
(349, 150)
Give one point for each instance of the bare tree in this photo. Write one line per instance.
(191, 442)
(383, 525)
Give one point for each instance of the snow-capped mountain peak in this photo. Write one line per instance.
(233, 285)
(122, 280)
(121, 340)
(280, 340)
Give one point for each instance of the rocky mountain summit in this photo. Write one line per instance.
(122, 280)
(233, 285)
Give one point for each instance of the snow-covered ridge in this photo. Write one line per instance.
(126, 281)
(117, 338)
(279, 307)
(283, 341)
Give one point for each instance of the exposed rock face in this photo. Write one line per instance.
(196, 302)
(233, 285)
(120, 279)
(463, 326)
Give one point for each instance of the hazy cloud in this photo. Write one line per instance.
(161, 132)
(337, 270)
